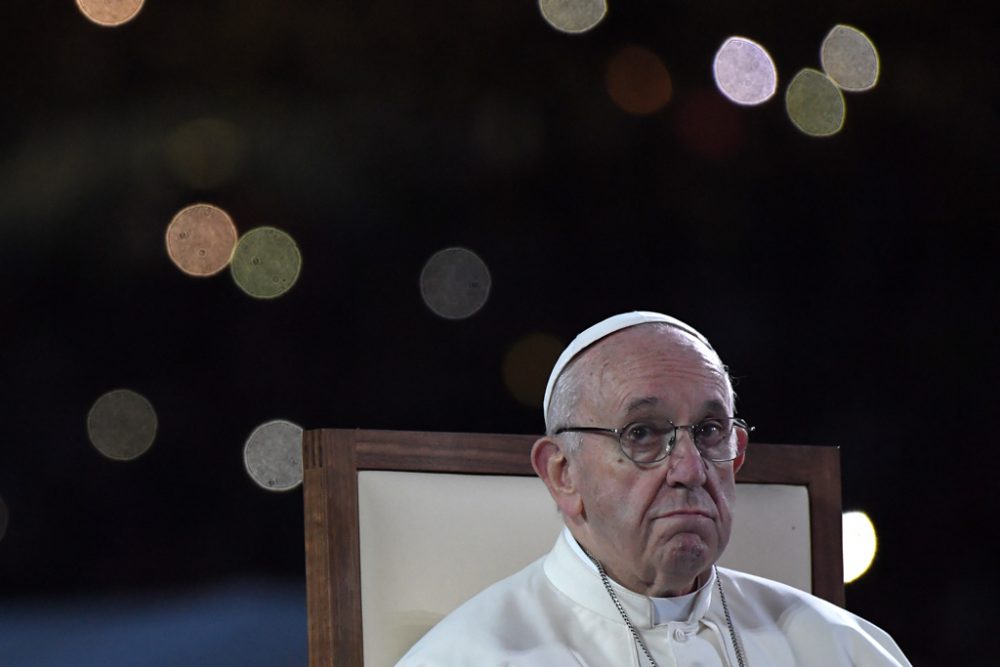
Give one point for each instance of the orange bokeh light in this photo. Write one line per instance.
(110, 13)
(638, 81)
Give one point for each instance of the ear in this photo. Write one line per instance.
(743, 438)
(551, 462)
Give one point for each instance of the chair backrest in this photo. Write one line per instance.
(401, 527)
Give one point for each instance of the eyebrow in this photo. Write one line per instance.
(645, 402)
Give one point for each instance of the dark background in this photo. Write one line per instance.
(849, 282)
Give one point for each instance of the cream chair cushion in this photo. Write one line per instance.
(430, 541)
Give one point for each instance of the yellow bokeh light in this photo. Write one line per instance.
(815, 104)
(849, 58)
(110, 13)
(272, 455)
(573, 16)
(201, 239)
(638, 81)
(122, 425)
(860, 544)
(266, 263)
(526, 367)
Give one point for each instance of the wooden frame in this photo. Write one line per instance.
(333, 457)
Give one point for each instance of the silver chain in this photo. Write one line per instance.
(729, 622)
(621, 610)
(635, 633)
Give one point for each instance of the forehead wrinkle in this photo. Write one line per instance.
(624, 354)
(674, 363)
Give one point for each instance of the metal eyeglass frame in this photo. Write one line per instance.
(693, 429)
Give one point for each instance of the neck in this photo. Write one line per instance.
(657, 587)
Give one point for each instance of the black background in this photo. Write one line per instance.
(849, 282)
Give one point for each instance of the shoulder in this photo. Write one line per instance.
(806, 620)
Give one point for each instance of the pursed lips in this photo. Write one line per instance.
(686, 512)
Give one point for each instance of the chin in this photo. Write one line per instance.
(689, 553)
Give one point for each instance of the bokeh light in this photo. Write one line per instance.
(573, 16)
(122, 424)
(849, 58)
(860, 544)
(4, 518)
(110, 13)
(266, 263)
(273, 455)
(204, 153)
(744, 71)
(201, 239)
(526, 367)
(455, 283)
(815, 103)
(638, 81)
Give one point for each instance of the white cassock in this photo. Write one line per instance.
(557, 613)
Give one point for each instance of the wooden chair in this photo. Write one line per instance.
(401, 527)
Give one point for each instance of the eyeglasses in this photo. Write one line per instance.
(652, 441)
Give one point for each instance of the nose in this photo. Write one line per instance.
(685, 465)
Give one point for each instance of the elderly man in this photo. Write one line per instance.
(640, 456)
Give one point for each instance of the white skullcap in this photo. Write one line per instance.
(603, 329)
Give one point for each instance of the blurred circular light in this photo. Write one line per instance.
(122, 425)
(850, 59)
(815, 104)
(573, 16)
(860, 544)
(455, 283)
(266, 263)
(745, 72)
(526, 366)
(110, 13)
(638, 81)
(273, 455)
(204, 153)
(4, 518)
(201, 239)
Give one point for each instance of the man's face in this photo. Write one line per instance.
(655, 527)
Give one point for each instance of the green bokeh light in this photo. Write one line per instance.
(815, 103)
(266, 263)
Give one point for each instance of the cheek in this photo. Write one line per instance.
(724, 494)
(614, 501)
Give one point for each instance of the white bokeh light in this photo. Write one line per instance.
(272, 455)
(860, 544)
(455, 283)
(849, 58)
(745, 72)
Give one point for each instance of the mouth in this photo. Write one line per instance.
(686, 514)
